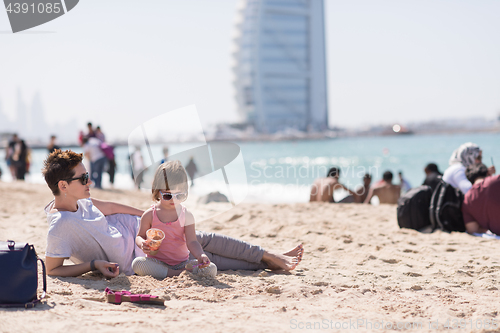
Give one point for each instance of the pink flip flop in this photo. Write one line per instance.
(117, 297)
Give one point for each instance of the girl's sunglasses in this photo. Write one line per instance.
(84, 179)
(177, 196)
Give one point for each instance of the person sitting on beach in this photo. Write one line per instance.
(481, 206)
(100, 235)
(386, 191)
(404, 183)
(170, 188)
(465, 155)
(432, 175)
(322, 189)
(362, 191)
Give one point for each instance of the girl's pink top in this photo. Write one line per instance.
(173, 249)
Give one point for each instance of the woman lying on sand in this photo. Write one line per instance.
(100, 235)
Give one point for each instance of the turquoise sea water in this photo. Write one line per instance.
(283, 171)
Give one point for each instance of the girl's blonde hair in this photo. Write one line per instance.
(169, 176)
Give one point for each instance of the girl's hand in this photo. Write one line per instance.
(203, 261)
(145, 246)
(491, 170)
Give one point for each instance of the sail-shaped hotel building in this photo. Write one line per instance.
(280, 65)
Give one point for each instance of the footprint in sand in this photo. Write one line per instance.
(390, 261)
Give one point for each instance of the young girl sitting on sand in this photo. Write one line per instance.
(169, 190)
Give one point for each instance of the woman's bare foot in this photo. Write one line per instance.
(297, 251)
(286, 261)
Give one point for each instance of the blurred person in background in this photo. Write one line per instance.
(9, 153)
(93, 151)
(52, 144)
(18, 157)
(191, 169)
(363, 190)
(99, 134)
(432, 175)
(90, 131)
(467, 154)
(405, 184)
(481, 206)
(386, 191)
(322, 189)
(137, 165)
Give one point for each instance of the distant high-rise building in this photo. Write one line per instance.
(280, 65)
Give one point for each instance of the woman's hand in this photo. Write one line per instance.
(491, 170)
(108, 269)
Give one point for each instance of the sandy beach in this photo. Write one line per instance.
(360, 272)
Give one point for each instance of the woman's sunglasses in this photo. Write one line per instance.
(84, 179)
(177, 196)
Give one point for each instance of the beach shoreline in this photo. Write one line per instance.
(359, 267)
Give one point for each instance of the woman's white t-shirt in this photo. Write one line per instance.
(87, 234)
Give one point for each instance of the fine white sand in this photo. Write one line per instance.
(359, 271)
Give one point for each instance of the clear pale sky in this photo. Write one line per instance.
(110, 61)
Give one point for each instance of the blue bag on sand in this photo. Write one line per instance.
(19, 275)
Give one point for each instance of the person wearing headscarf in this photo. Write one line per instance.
(467, 154)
